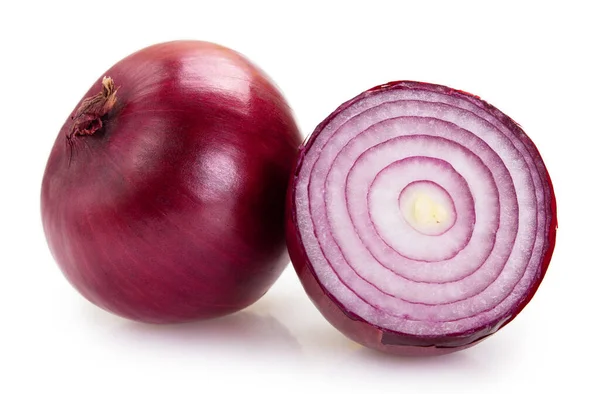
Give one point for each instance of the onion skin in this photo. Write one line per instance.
(173, 210)
(355, 327)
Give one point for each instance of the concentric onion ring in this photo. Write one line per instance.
(422, 213)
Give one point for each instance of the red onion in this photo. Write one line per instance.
(420, 219)
(163, 198)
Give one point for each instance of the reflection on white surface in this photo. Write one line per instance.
(243, 332)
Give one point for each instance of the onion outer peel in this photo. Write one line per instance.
(163, 197)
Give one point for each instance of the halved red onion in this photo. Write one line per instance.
(421, 219)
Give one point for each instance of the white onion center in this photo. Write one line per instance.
(425, 206)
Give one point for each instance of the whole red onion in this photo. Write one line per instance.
(163, 197)
(421, 219)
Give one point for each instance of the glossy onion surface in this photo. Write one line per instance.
(163, 197)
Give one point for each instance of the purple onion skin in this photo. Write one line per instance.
(174, 209)
(353, 326)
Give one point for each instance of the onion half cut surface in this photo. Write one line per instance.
(421, 219)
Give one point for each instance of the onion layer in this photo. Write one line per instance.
(421, 219)
(163, 198)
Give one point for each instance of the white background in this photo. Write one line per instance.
(538, 62)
